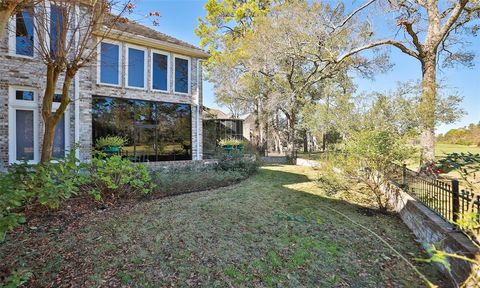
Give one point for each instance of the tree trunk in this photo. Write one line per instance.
(51, 119)
(291, 132)
(427, 110)
(6, 10)
(305, 141)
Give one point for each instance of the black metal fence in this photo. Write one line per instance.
(444, 197)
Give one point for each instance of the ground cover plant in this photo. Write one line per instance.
(278, 228)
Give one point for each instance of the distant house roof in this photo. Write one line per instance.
(131, 31)
(211, 113)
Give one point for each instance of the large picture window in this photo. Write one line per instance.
(109, 63)
(155, 131)
(24, 33)
(182, 75)
(136, 68)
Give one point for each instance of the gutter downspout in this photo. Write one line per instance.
(197, 132)
(77, 115)
(77, 90)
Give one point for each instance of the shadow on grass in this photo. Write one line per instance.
(273, 229)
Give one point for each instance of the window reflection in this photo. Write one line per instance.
(24, 32)
(181, 75)
(155, 131)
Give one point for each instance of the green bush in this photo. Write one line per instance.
(246, 166)
(110, 141)
(47, 184)
(118, 178)
(183, 180)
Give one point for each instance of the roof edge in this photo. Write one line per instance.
(154, 43)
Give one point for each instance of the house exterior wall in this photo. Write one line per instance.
(22, 72)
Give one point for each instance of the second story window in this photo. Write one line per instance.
(57, 29)
(160, 71)
(109, 63)
(182, 75)
(24, 33)
(136, 68)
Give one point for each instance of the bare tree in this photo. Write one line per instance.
(66, 42)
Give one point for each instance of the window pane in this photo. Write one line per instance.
(156, 131)
(24, 95)
(109, 63)
(57, 29)
(57, 98)
(181, 75)
(24, 134)
(136, 68)
(24, 33)
(160, 71)
(59, 139)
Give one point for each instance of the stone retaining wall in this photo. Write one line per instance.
(431, 229)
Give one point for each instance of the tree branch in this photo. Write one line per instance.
(394, 43)
(354, 13)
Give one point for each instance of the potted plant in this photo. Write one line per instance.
(110, 144)
(227, 144)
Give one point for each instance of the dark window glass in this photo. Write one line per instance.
(109, 63)
(24, 134)
(24, 95)
(160, 71)
(216, 129)
(181, 75)
(57, 98)
(136, 68)
(155, 131)
(24, 33)
(59, 139)
(57, 29)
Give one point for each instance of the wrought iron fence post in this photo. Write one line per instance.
(455, 200)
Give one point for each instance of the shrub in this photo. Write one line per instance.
(47, 184)
(369, 157)
(245, 165)
(183, 180)
(110, 141)
(117, 178)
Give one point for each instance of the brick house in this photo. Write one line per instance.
(143, 85)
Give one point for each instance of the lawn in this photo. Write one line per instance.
(277, 228)
(442, 149)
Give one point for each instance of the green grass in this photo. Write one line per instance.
(275, 229)
(441, 149)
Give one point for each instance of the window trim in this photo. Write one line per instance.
(12, 43)
(145, 65)
(189, 74)
(99, 61)
(14, 105)
(160, 52)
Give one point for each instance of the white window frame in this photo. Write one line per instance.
(66, 115)
(99, 61)
(13, 106)
(145, 65)
(189, 74)
(168, 70)
(12, 38)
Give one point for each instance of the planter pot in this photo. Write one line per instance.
(227, 148)
(111, 149)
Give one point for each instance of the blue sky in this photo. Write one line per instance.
(179, 19)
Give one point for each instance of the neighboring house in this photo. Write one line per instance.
(144, 85)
